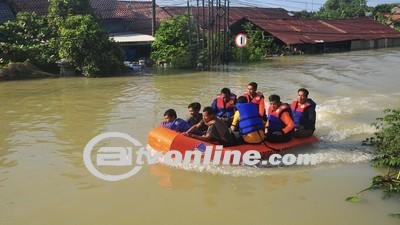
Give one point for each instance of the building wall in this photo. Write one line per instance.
(374, 44)
(328, 47)
(122, 26)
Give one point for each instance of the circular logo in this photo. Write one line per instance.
(241, 40)
(87, 159)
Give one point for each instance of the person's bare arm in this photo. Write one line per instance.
(205, 137)
(194, 127)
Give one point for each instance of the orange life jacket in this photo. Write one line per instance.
(274, 117)
(226, 109)
(256, 100)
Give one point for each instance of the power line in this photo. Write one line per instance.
(260, 4)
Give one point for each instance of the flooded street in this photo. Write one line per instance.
(45, 124)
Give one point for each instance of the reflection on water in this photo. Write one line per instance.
(46, 123)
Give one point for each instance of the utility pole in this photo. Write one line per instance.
(189, 24)
(215, 31)
(198, 23)
(153, 19)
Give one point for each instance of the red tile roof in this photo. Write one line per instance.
(317, 31)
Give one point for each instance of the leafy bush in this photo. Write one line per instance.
(387, 151)
(340, 9)
(69, 32)
(305, 14)
(382, 13)
(86, 45)
(64, 8)
(258, 46)
(171, 43)
(386, 142)
(384, 8)
(28, 37)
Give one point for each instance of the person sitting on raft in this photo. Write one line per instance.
(224, 105)
(255, 97)
(217, 130)
(171, 121)
(195, 114)
(280, 122)
(303, 113)
(196, 117)
(248, 121)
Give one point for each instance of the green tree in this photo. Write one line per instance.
(387, 140)
(382, 13)
(28, 37)
(60, 10)
(84, 43)
(305, 14)
(81, 40)
(172, 43)
(386, 143)
(65, 8)
(384, 8)
(258, 46)
(340, 9)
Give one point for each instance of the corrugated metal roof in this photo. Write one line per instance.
(38, 6)
(5, 13)
(275, 21)
(113, 9)
(105, 9)
(235, 13)
(318, 31)
(133, 15)
(201, 15)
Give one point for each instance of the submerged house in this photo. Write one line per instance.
(319, 36)
(201, 15)
(304, 36)
(129, 23)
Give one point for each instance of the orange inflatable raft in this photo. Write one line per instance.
(163, 140)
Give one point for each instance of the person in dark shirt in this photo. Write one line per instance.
(217, 130)
(196, 117)
(195, 114)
